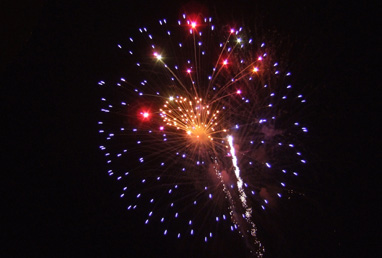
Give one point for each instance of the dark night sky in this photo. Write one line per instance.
(59, 199)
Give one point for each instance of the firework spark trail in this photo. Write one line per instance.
(243, 197)
(257, 248)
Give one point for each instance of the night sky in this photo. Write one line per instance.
(59, 200)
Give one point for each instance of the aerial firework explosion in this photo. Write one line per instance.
(200, 130)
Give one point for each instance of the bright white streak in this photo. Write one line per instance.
(243, 196)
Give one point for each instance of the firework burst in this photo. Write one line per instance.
(199, 130)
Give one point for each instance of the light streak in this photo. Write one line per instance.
(259, 250)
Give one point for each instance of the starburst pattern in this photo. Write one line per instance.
(200, 129)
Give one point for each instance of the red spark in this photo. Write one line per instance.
(193, 24)
(145, 115)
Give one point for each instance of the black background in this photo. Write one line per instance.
(60, 202)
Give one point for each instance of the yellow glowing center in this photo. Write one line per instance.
(197, 120)
(199, 134)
